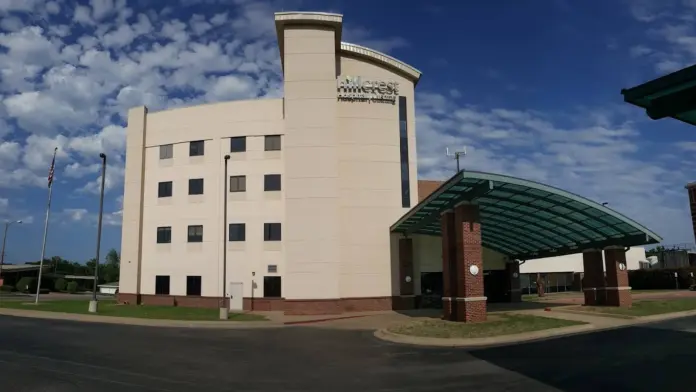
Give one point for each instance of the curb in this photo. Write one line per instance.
(139, 321)
(483, 342)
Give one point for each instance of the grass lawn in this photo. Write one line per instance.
(646, 307)
(111, 308)
(499, 324)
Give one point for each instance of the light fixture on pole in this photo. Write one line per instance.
(4, 241)
(93, 302)
(224, 308)
(456, 154)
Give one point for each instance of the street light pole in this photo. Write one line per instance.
(93, 302)
(224, 308)
(2, 252)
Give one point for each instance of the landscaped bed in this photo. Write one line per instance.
(111, 308)
(496, 325)
(645, 307)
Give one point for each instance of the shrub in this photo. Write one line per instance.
(27, 285)
(6, 288)
(660, 279)
(60, 284)
(72, 287)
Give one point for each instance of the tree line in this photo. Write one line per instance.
(107, 272)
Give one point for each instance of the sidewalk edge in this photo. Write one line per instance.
(138, 321)
(482, 342)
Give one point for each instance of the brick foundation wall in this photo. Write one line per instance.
(290, 307)
(264, 304)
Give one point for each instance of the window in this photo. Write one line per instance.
(164, 235)
(237, 232)
(271, 182)
(238, 184)
(196, 186)
(272, 143)
(193, 285)
(238, 144)
(196, 148)
(403, 144)
(195, 234)
(164, 189)
(162, 284)
(166, 151)
(271, 231)
(272, 269)
(271, 286)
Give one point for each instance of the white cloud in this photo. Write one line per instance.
(602, 159)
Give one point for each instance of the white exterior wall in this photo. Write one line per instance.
(340, 173)
(573, 263)
(214, 124)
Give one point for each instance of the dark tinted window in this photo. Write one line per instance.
(196, 186)
(164, 235)
(162, 285)
(271, 232)
(164, 189)
(403, 146)
(193, 285)
(271, 182)
(237, 232)
(238, 184)
(197, 148)
(195, 234)
(166, 151)
(272, 143)
(238, 144)
(272, 286)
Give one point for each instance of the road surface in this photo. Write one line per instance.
(47, 355)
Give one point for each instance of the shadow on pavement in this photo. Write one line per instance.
(627, 359)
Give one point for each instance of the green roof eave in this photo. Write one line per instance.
(666, 88)
(526, 219)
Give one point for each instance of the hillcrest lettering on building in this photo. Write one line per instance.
(355, 88)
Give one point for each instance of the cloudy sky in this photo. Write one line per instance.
(531, 88)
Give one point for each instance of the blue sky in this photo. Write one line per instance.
(531, 88)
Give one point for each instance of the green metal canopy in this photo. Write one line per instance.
(525, 219)
(673, 95)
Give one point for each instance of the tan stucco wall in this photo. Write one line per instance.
(340, 167)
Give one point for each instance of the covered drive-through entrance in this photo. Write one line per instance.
(521, 220)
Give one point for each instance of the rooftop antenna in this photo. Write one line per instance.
(456, 154)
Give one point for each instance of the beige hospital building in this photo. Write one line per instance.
(324, 210)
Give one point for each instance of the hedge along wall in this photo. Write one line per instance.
(661, 279)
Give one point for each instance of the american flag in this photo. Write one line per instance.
(52, 169)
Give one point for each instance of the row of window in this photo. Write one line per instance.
(271, 183)
(194, 285)
(237, 144)
(236, 233)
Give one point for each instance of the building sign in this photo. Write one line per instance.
(357, 89)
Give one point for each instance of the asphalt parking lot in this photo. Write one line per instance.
(48, 355)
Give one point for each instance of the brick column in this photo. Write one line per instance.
(406, 279)
(618, 291)
(512, 270)
(467, 296)
(449, 265)
(593, 283)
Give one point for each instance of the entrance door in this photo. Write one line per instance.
(236, 296)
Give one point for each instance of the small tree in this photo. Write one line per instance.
(72, 287)
(60, 284)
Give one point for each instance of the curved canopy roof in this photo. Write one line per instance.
(525, 219)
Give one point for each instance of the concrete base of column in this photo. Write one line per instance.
(619, 296)
(466, 310)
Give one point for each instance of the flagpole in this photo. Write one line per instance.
(48, 213)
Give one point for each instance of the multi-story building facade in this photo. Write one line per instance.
(315, 180)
